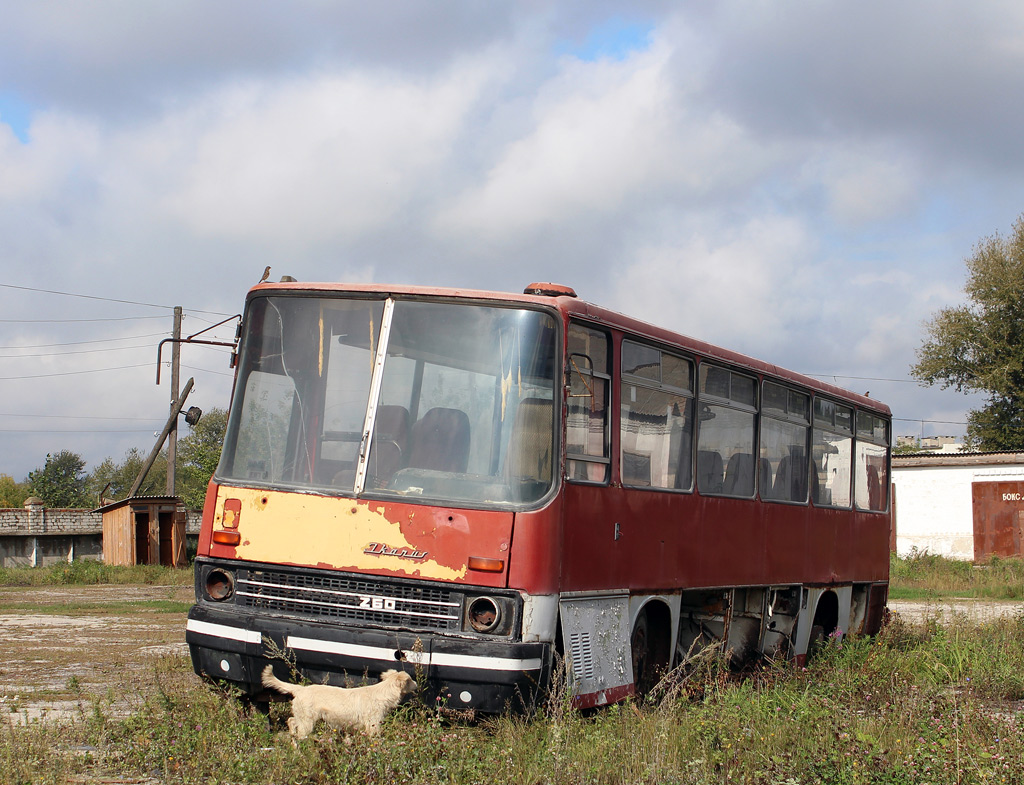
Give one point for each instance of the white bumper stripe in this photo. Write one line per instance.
(379, 653)
(224, 631)
(415, 657)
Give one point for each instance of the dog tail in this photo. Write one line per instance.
(269, 680)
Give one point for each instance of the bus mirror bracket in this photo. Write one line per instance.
(233, 345)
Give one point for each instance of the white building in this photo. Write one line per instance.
(961, 506)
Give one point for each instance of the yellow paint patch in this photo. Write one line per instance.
(296, 528)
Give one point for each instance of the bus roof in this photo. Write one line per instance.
(570, 304)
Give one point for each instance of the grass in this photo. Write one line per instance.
(925, 704)
(939, 702)
(87, 608)
(922, 575)
(89, 572)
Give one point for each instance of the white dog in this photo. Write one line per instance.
(358, 708)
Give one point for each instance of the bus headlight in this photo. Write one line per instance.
(220, 585)
(484, 614)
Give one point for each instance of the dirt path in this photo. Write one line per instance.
(58, 644)
(975, 611)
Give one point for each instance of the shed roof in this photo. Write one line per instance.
(140, 500)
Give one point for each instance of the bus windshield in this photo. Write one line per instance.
(395, 398)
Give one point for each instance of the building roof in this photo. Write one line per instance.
(956, 459)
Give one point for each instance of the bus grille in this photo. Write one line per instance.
(399, 604)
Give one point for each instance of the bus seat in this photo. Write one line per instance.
(874, 489)
(529, 447)
(439, 441)
(783, 482)
(764, 478)
(390, 442)
(791, 479)
(739, 475)
(709, 471)
(684, 471)
(528, 461)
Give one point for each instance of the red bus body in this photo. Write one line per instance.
(481, 591)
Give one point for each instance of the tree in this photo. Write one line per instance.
(61, 482)
(198, 454)
(907, 448)
(121, 476)
(979, 347)
(12, 493)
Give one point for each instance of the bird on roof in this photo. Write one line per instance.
(266, 274)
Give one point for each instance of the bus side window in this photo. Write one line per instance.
(832, 450)
(870, 472)
(727, 405)
(586, 428)
(785, 434)
(655, 418)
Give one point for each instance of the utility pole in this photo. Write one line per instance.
(172, 437)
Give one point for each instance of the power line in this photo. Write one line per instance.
(70, 321)
(104, 299)
(62, 430)
(81, 343)
(71, 373)
(75, 351)
(838, 376)
(76, 417)
(929, 422)
(206, 370)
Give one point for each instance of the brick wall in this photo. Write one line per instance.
(41, 520)
(13, 521)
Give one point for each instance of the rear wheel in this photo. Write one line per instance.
(826, 621)
(649, 646)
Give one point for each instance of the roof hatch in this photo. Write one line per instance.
(549, 290)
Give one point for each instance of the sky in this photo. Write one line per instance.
(798, 181)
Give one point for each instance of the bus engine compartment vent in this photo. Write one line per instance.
(582, 653)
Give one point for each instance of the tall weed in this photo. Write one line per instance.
(91, 571)
(925, 575)
(936, 703)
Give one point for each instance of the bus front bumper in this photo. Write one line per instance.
(459, 673)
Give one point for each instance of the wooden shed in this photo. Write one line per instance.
(144, 530)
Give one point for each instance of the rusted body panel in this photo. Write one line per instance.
(673, 541)
(998, 519)
(365, 536)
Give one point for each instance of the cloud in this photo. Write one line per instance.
(606, 137)
(124, 59)
(867, 186)
(301, 161)
(924, 73)
(742, 286)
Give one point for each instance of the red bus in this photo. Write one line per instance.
(471, 484)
